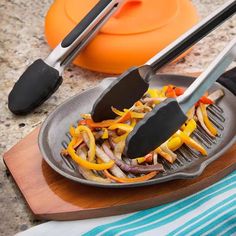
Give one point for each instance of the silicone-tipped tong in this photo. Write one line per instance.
(43, 77)
(132, 84)
(167, 117)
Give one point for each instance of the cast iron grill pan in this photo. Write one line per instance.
(54, 135)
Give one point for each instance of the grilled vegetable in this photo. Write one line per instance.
(97, 147)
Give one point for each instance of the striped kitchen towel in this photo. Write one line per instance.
(211, 211)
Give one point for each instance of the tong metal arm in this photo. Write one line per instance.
(78, 38)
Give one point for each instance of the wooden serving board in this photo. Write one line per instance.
(51, 196)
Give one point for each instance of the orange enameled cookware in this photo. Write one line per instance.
(139, 30)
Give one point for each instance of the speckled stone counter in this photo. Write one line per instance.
(21, 42)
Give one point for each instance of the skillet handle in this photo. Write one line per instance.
(228, 80)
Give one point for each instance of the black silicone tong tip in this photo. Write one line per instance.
(228, 80)
(35, 85)
(156, 127)
(122, 93)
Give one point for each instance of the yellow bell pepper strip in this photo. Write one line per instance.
(117, 112)
(166, 155)
(105, 133)
(191, 143)
(79, 138)
(91, 152)
(131, 180)
(182, 127)
(133, 123)
(163, 91)
(152, 93)
(124, 115)
(174, 143)
(121, 137)
(85, 163)
(123, 127)
(206, 120)
(190, 127)
(190, 113)
(72, 131)
(136, 115)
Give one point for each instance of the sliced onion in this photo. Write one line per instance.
(216, 95)
(165, 148)
(201, 121)
(131, 168)
(105, 158)
(88, 174)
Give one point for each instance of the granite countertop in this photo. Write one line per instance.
(21, 42)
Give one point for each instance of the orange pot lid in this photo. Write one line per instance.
(139, 30)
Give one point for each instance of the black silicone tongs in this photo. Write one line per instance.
(167, 117)
(43, 77)
(132, 84)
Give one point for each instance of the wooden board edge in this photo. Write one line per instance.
(138, 205)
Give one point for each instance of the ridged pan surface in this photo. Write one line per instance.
(54, 134)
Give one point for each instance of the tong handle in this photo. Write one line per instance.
(208, 77)
(83, 32)
(193, 35)
(84, 23)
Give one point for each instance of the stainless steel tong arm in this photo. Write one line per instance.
(193, 35)
(208, 77)
(66, 50)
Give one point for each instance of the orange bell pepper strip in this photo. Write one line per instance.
(205, 100)
(124, 118)
(84, 163)
(191, 142)
(130, 180)
(121, 137)
(170, 92)
(206, 120)
(103, 124)
(106, 123)
(179, 91)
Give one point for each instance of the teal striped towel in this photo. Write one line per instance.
(211, 211)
